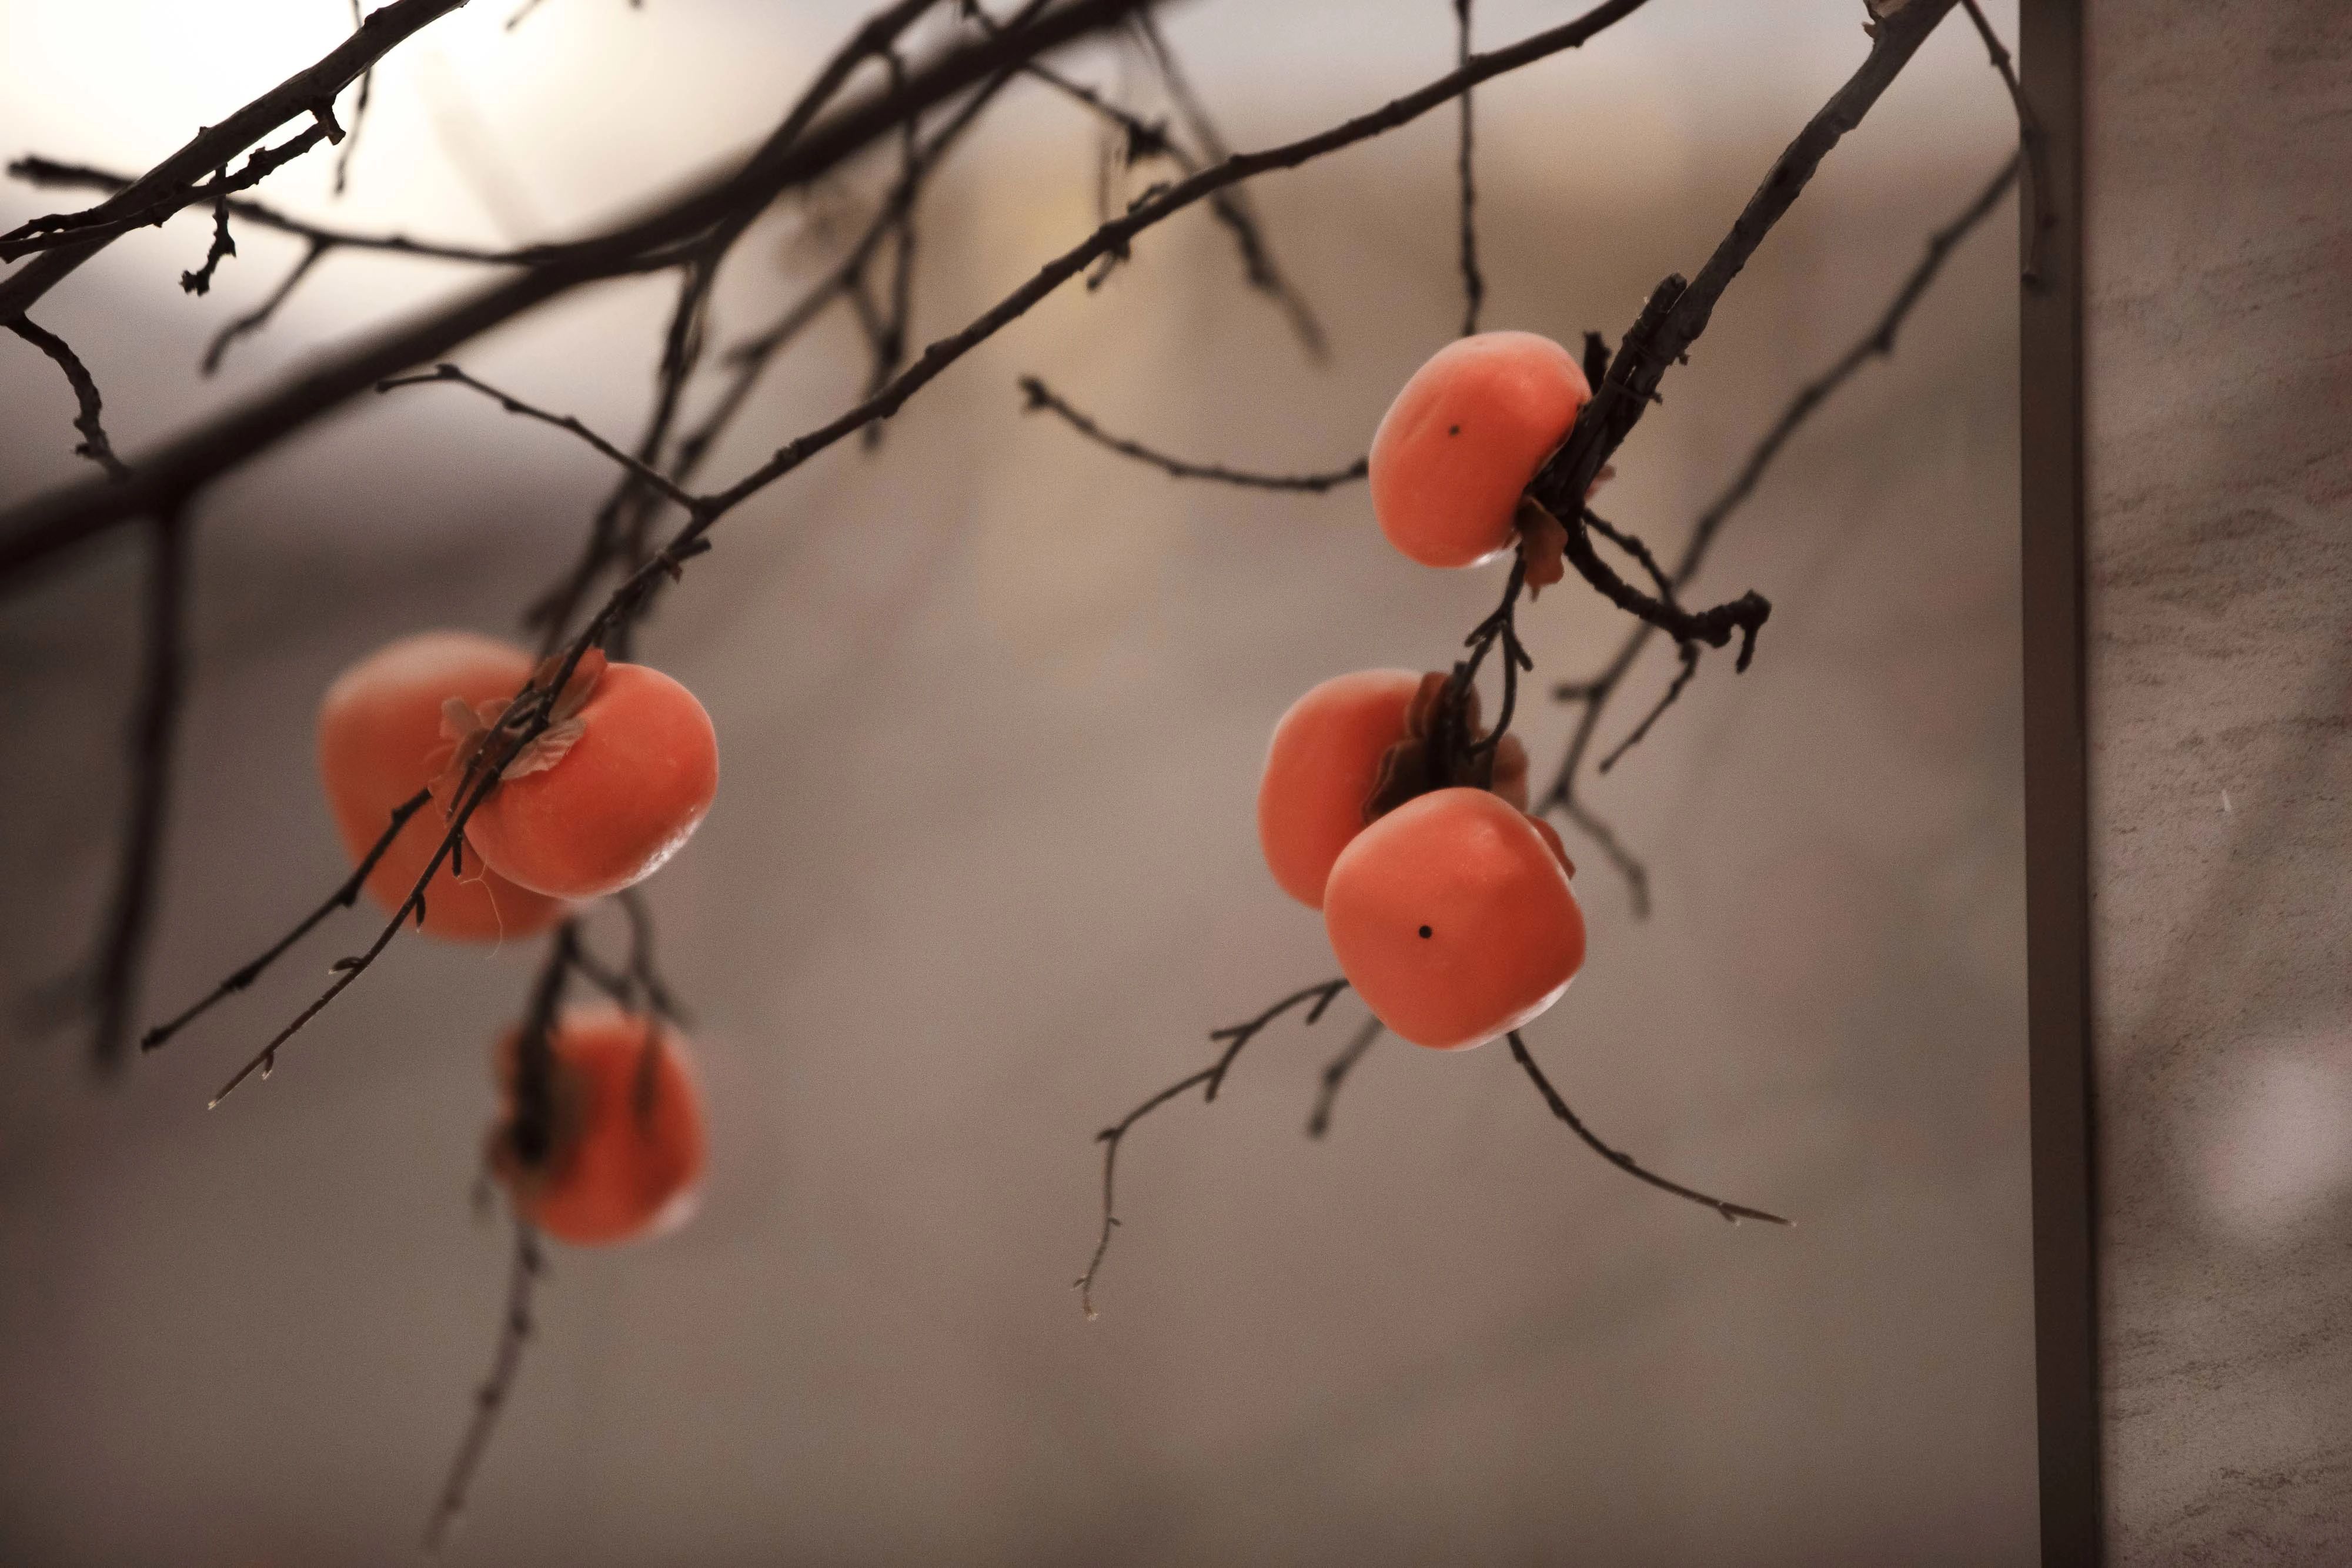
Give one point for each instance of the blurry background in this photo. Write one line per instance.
(983, 871)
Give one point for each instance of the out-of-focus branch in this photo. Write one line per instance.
(515, 1325)
(132, 913)
(2039, 220)
(1473, 284)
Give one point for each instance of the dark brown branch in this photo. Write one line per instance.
(259, 317)
(1335, 1074)
(342, 898)
(94, 444)
(1209, 1080)
(1041, 396)
(1150, 211)
(1473, 286)
(643, 473)
(224, 246)
(515, 1326)
(1878, 342)
(1677, 312)
(2040, 219)
(36, 530)
(132, 913)
(263, 162)
(167, 185)
(1734, 1212)
(47, 172)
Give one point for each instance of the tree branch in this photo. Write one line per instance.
(1041, 396)
(165, 188)
(643, 473)
(133, 911)
(1734, 1212)
(515, 1325)
(1209, 1080)
(94, 444)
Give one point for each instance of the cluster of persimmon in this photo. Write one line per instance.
(1384, 804)
(613, 786)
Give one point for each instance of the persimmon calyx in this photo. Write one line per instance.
(1442, 749)
(1543, 539)
(470, 729)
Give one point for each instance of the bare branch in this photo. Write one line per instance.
(37, 529)
(1233, 207)
(1473, 286)
(342, 898)
(259, 317)
(1595, 695)
(515, 1325)
(1335, 1074)
(224, 246)
(2040, 219)
(168, 186)
(1040, 395)
(1209, 1080)
(47, 171)
(133, 911)
(1734, 1212)
(359, 113)
(643, 473)
(94, 444)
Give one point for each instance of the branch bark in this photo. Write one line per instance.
(164, 189)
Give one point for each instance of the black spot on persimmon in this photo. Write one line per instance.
(1426, 933)
(1453, 430)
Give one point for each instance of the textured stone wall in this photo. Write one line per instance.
(2220, 354)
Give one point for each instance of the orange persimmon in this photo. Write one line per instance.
(378, 729)
(1320, 769)
(624, 1149)
(1464, 438)
(1453, 917)
(614, 790)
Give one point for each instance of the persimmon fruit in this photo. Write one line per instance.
(1464, 439)
(379, 729)
(1321, 768)
(635, 772)
(624, 1147)
(1453, 917)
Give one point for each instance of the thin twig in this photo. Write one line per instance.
(1040, 395)
(644, 473)
(47, 172)
(94, 444)
(515, 1326)
(1877, 341)
(224, 246)
(343, 897)
(359, 113)
(1734, 1212)
(1210, 1079)
(2040, 219)
(1336, 1073)
(1473, 286)
(169, 185)
(1233, 208)
(259, 317)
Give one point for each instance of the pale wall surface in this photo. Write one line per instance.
(2220, 352)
